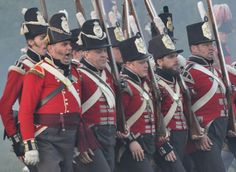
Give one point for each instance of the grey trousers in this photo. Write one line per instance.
(56, 150)
(206, 161)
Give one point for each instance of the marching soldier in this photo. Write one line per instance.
(169, 154)
(50, 106)
(34, 29)
(77, 47)
(98, 99)
(139, 146)
(208, 98)
(116, 37)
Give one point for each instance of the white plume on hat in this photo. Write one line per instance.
(181, 61)
(23, 11)
(65, 12)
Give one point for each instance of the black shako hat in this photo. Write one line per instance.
(93, 35)
(133, 49)
(58, 30)
(162, 45)
(75, 43)
(199, 33)
(167, 19)
(34, 23)
(116, 35)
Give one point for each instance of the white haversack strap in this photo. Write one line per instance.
(204, 99)
(176, 100)
(102, 88)
(63, 79)
(142, 108)
(209, 73)
(28, 63)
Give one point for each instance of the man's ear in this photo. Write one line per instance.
(30, 42)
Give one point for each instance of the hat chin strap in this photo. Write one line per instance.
(94, 37)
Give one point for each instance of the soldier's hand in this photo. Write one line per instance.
(86, 157)
(171, 156)
(231, 133)
(137, 151)
(31, 157)
(204, 143)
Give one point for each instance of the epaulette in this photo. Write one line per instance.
(18, 68)
(49, 61)
(187, 75)
(38, 70)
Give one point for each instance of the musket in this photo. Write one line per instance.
(121, 122)
(125, 19)
(196, 131)
(225, 76)
(44, 9)
(160, 126)
(80, 15)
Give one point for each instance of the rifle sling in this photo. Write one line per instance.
(50, 95)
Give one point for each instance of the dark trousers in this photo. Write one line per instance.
(128, 163)
(104, 159)
(231, 141)
(178, 140)
(99, 163)
(56, 150)
(207, 161)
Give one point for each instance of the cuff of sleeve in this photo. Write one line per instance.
(165, 149)
(16, 138)
(30, 145)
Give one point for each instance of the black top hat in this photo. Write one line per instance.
(116, 35)
(93, 35)
(58, 30)
(133, 49)
(199, 33)
(75, 44)
(166, 18)
(34, 23)
(161, 46)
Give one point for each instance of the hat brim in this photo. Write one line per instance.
(202, 42)
(170, 52)
(142, 57)
(97, 47)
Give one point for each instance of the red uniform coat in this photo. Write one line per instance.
(13, 89)
(99, 113)
(38, 83)
(132, 102)
(200, 83)
(178, 121)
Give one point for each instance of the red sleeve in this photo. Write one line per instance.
(33, 85)
(11, 92)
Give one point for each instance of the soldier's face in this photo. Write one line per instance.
(117, 54)
(97, 57)
(140, 67)
(38, 44)
(61, 51)
(205, 50)
(169, 62)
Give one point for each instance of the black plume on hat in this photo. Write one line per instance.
(74, 41)
(34, 23)
(133, 49)
(161, 46)
(93, 35)
(58, 30)
(116, 35)
(199, 33)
